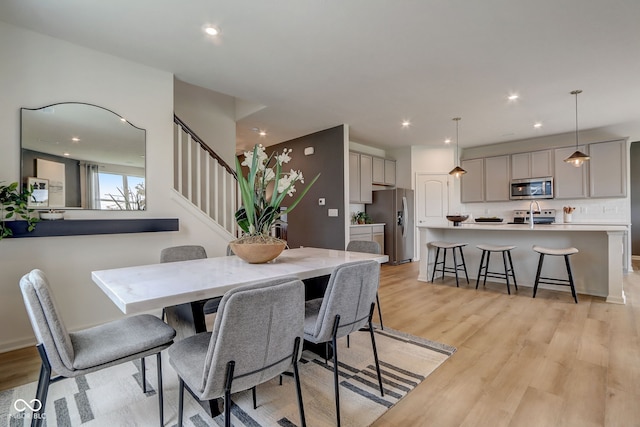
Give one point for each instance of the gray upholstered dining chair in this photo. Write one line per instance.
(70, 354)
(257, 335)
(370, 247)
(187, 253)
(347, 305)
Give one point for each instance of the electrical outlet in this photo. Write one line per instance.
(609, 209)
(583, 210)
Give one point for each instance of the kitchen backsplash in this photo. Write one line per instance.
(587, 211)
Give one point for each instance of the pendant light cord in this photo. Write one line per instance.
(576, 92)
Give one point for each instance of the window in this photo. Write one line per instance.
(121, 192)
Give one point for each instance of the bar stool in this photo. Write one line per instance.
(456, 266)
(566, 252)
(484, 265)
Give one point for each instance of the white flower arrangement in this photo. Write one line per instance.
(259, 212)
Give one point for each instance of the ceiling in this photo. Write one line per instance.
(309, 65)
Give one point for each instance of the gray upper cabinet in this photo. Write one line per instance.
(496, 178)
(360, 175)
(570, 182)
(608, 169)
(384, 171)
(534, 164)
(389, 172)
(472, 183)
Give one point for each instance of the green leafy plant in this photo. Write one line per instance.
(14, 204)
(361, 218)
(263, 190)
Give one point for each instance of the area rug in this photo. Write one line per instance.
(113, 397)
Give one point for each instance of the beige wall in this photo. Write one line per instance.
(36, 71)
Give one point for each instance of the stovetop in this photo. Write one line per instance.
(543, 216)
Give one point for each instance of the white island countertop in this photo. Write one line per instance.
(500, 226)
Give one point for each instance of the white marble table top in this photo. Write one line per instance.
(148, 287)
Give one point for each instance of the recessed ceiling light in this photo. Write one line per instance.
(513, 97)
(406, 123)
(262, 133)
(447, 141)
(537, 125)
(75, 139)
(122, 119)
(212, 31)
(66, 154)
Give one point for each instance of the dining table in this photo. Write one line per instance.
(181, 288)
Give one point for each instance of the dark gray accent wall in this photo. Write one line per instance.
(309, 224)
(635, 197)
(71, 173)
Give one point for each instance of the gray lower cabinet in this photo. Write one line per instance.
(608, 169)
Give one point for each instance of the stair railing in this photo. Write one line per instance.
(203, 177)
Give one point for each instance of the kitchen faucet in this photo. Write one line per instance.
(531, 211)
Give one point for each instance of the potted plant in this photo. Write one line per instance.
(262, 192)
(14, 205)
(361, 218)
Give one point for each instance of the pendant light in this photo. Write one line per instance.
(457, 171)
(578, 157)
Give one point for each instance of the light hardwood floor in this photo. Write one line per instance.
(519, 362)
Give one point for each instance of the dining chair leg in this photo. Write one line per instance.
(160, 395)
(43, 387)
(227, 393)
(380, 310)
(336, 385)
(348, 342)
(143, 374)
(375, 351)
(296, 377)
(180, 402)
(253, 395)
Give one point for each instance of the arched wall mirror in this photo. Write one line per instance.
(82, 156)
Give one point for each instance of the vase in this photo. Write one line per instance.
(257, 252)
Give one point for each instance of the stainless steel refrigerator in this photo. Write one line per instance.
(395, 209)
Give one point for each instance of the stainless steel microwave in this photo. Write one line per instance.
(532, 188)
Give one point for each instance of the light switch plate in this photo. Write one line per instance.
(333, 212)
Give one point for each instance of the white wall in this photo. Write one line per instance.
(211, 115)
(36, 71)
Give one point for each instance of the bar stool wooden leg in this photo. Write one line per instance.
(480, 269)
(535, 285)
(506, 271)
(513, 271)
(455, 267)
(435, 264)
(573, 288)
(464, 264)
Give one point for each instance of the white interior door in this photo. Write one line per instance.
(432, 199)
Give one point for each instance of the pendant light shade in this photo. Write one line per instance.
(578, 157)
(457, 171)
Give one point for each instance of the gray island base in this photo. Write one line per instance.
(598, 268)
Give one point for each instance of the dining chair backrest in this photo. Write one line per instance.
(256, 327)
(350, 292)
(366, 246)
(46, 322)
(182, 253)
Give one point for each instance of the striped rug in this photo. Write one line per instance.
(113, 397)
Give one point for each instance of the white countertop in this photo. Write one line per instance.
(500, 226)
(367, 225)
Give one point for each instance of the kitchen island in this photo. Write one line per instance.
(597, 269)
